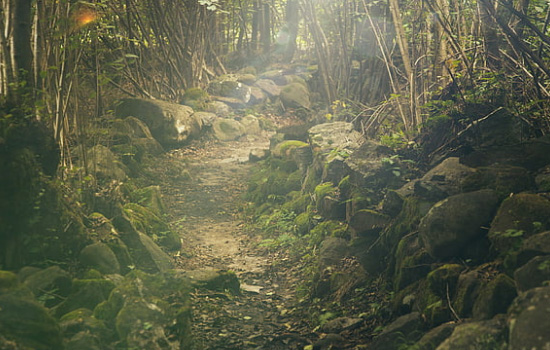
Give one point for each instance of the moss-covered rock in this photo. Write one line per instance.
(85, 294)
(453, 223)
(100, 256)
(495, 297)
(467, 291)
(503, 179)
(479, 335)
(529, 320)
(368, 222)
(151, 198)
(145, 220)
(29, 324)
(519, 217)
(52, 284)
(434, 337)
(8, 281)
(412, 262)
(82, 320)
(533, 274)
(442, 281)
(143, 306)
(106, 165)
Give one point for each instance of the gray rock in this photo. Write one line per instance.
(533, 274)
(337, 135)
(456, 221)
(99, 256)
(269, 87)
(171, 124)
(467, 291)
(295, 95)
(206, 118)
(529, 320)
(251, 125)
(219, 108)
(504, 179)
(227, 129)
(257, 96)
(449, 175)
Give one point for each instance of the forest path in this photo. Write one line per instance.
(205, 210)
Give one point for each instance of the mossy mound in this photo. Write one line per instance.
(87, 293)
(442, 281)
(143, 307)
(28, 324)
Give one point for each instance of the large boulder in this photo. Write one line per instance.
(519, 217)
(456, 221)
(171, 124)
(295, 95)
(227, 129)
(529, 320)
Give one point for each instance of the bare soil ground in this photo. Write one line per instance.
(205, 210)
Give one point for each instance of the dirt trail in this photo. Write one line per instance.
(205, 212)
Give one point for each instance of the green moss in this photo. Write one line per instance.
(195, 94)
(285, 147)
(147, 221)
(92, 274)
(298, 203)
(325, 229)
(303, 223)
(87, 293)
(151, 198)
(324, 189)
(28, 324)
(443, 279)
(495, 297)
(8, 281)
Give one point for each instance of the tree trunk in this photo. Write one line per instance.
(292, 19)
(22, 51)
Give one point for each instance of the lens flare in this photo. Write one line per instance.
(85, 16)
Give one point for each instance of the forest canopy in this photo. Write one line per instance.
(400, 65)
